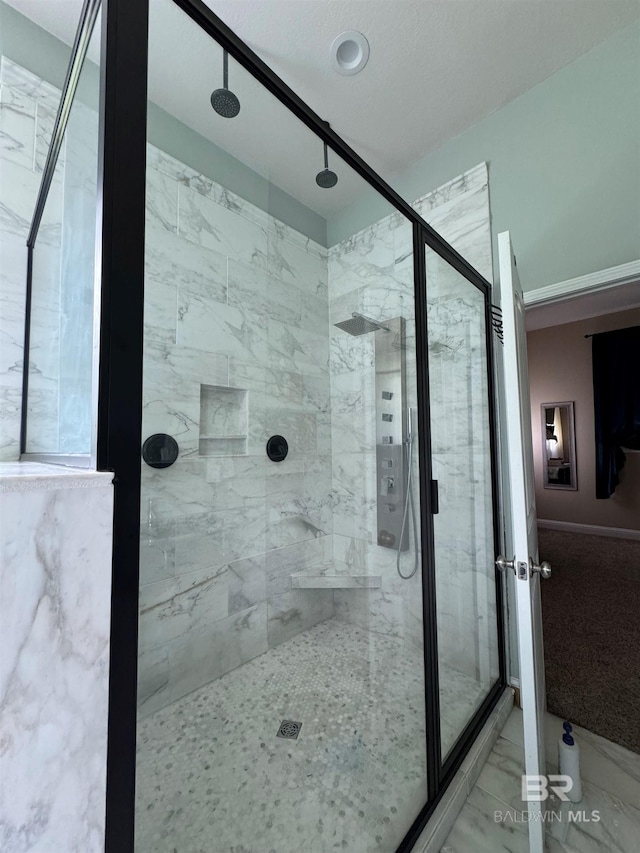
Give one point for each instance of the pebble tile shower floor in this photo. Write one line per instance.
(214, 778)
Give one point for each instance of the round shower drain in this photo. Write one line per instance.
(289, 729)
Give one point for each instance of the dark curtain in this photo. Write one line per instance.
(616, 398)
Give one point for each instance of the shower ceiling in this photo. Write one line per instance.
(436, 68)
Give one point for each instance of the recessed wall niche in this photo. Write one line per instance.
(223, 421)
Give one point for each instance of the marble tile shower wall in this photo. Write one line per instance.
(234, 299)
(75, 369)
(27, 113)
(60, 364)
(372, 272)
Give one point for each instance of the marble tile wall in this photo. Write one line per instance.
(371, 273)
(27, 112)
(77, 280)
(233, 529)
(55, 583)
(60, 367)
(233, 299)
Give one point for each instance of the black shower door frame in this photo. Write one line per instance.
(121, 230)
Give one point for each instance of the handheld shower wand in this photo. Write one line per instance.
(408, 449)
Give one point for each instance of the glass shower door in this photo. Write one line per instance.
(462, 464)
(281, 678)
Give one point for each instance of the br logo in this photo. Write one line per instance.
(536, 789)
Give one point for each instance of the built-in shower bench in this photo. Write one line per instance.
(334, 575)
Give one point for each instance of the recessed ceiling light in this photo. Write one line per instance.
(349, 52)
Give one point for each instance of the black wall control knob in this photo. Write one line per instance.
(160, 450)
(277, 448)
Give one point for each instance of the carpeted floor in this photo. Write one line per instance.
(591, 619)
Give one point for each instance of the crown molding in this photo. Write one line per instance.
(590, 283)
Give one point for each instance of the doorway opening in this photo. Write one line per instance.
(589, 605)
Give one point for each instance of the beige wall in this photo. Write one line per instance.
(560, 369)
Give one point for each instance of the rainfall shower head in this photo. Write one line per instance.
(326, 178)
(224, 102)
(361, 325)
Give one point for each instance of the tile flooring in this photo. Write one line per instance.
(610, 782)
(214, 778)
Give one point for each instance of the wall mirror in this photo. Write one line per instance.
(558, 446)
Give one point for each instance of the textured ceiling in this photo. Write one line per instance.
(436, 68)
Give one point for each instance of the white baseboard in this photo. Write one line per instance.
(592, 529)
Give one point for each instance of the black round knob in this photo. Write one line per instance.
(160, 450)
(277, 448)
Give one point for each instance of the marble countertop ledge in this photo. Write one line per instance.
(40, 476)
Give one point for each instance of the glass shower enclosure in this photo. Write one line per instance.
(306, 632)
(283, 634)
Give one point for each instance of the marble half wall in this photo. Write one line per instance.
(55, 602)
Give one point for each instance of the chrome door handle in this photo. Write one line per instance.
(503, 564)
(544, 568)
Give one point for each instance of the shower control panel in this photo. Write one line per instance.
(391, 433)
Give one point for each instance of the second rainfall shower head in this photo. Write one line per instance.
(326, 178)
(224, 102)
(361, 325)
